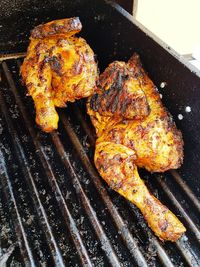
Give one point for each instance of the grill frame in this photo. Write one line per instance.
(165, 256)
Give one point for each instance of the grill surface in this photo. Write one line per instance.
(56, 210)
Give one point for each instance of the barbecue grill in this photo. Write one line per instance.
(55, 209)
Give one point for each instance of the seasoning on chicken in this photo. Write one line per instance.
(59, 67)
(135, 130)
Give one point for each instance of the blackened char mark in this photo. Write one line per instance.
(118, 85)
(93, 102)
(125, 104)
(55, 63)
(109, 99)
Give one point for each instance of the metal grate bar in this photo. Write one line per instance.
(20, 226)
(12, 56)
(187, 254)
(66, 213)
(186, 189)
(87, 130)
(164, 258)
(106, 245)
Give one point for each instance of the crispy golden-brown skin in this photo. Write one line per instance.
(59, 67)
(134, 129)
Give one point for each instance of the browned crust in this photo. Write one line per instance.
(68, 27)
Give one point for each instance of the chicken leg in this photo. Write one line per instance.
(116, 165)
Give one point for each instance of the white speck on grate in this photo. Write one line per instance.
(160, 96)
(188, 109)
(180, 117)
(163, 84)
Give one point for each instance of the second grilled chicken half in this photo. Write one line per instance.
(135, 130)
(58, 68)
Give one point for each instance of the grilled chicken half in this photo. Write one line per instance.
(135, 130)
(58, 68)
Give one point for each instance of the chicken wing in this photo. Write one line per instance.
(58, 68)
(135, 134)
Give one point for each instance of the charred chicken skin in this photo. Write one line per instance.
(135, 130)
(58, 68)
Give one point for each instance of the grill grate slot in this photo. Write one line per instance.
(123, 218)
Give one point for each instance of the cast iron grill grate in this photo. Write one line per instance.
(56, 210)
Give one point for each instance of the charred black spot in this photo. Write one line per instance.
(115, 185)
(118, 82)
(117, 158)
(77, 67)
(96, 102)
(29, 85)
(56, 65)
(163, 225)
(124, 105)
(115, 103)
(41, 67)
(56, 27)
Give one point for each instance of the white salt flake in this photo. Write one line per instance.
(188, 109)
(180, 117)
